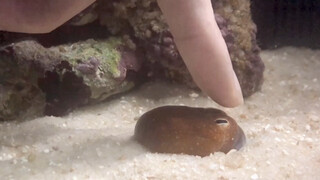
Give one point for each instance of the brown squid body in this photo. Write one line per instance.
(188, 130)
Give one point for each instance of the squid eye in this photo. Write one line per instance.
(221, 121)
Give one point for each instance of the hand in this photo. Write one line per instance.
(38, 16)
(203, 48)
(191, 22)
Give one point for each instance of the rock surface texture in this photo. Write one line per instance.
(35, 80)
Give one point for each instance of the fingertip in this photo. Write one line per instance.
(229, 100)
(228, 94)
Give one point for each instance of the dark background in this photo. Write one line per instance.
(287, 22)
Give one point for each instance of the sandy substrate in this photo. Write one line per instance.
(282, 124)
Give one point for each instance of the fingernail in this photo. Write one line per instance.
(236, 81)
(238, 88)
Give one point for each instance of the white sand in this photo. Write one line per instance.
(282, 124)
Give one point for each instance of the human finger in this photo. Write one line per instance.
(203, 49)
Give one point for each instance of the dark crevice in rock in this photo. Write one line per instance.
(64, 91)
(62, 35)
